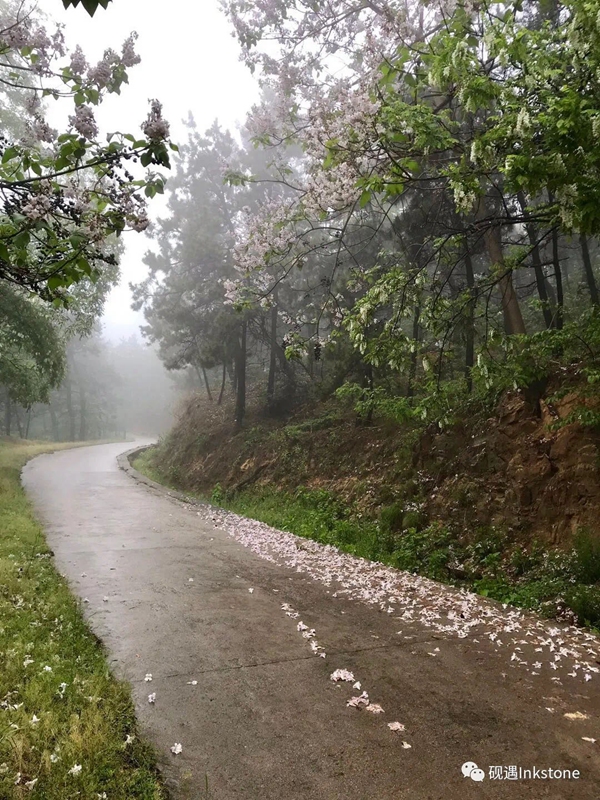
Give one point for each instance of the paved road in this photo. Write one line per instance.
(264, 720)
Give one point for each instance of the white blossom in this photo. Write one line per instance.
(84, 122)
(156, 128)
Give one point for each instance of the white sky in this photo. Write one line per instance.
(190, 62)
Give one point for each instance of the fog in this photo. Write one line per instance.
(114, 382)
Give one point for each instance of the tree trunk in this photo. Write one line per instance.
(470, 332)
(273, 350)
(220, 400)
(70, 410)
(240, 372)
(558, 280)
(203, 376)
(7, 414)
(206, 383)
(82, 414)
(18, 419)
(589, 272)
(54, 424)
(28, 422)
(513, 318)
(540, 278)
(412, 373)
(370, 385)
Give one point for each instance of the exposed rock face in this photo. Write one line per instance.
(526, 473)
(518, 469)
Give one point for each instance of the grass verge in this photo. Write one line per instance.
(562, 584)
(64, 719)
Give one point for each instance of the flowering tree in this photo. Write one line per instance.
(458, 138)
(63, 194)
(425, 169)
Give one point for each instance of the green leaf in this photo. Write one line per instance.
(84, 265)
(365, 198)
(77, 238)
(22, 239)
(9, 154)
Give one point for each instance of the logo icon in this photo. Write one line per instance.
(470, 770)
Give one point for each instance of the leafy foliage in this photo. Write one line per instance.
(65, 193)
(31, 351)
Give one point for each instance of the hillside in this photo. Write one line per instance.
(505, 502)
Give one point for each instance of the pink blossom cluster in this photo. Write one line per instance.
(102, 73)
(156, 127)
(38, 207)
(24, 32)
(319, 64)
(84, 122)
(269, 233)
(38, 130)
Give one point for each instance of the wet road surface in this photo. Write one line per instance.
(264, 720)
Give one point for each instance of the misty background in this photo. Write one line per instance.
(115, 383)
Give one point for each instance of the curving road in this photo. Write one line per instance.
(264, 720)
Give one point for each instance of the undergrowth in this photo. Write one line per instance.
(488, 560)
(65, 721)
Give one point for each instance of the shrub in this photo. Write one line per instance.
(391, 518)
(587, 553)
(584, 601)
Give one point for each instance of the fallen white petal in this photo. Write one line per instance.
(342, 675)
(395, 726)
(357, 702)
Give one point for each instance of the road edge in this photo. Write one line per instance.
(124, 462)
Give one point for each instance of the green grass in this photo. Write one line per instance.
(144, 464)
(53, 669)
